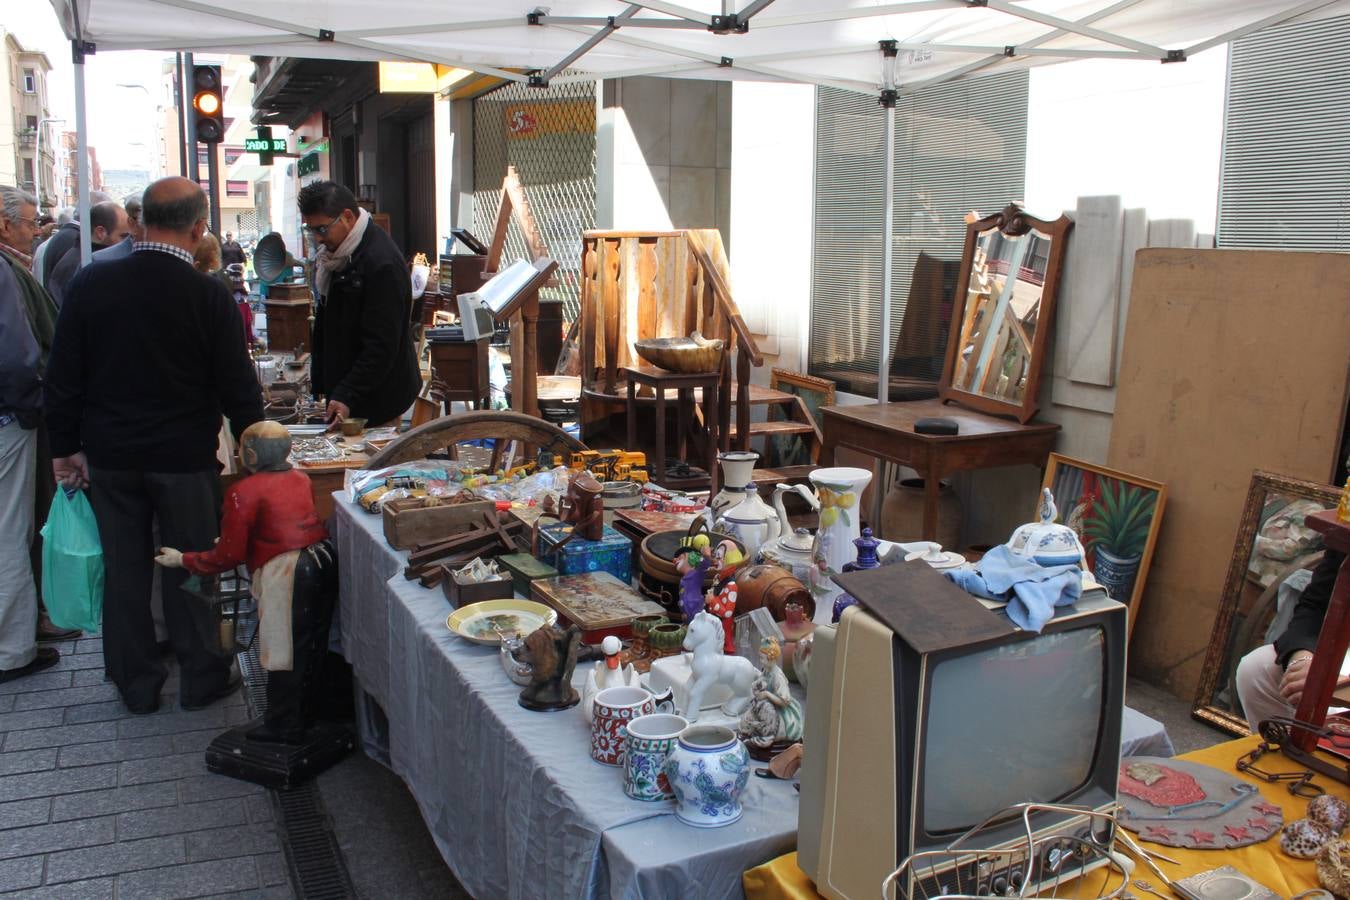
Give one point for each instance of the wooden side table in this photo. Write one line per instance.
(462, 366)
(684, 384)
(886, 430)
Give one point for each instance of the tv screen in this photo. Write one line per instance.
(1009, 724)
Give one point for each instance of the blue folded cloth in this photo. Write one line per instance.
(1031, 590)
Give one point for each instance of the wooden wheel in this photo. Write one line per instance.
(501, 425)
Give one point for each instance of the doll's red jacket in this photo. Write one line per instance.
(266, 514)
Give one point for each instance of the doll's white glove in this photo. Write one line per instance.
(170, 558)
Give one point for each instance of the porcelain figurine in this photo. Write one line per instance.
(692, 563)
(708, 771)
(1046, 541)
(606, 674)
(270, 524)
(721, 600)
(711, 665)
(796, 627)
(773, 716)
(867, 553)
(552, 653)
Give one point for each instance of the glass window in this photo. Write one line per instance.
(232, 154)
(203, 156)
(236, 189)
(32, 122)
(29, 82)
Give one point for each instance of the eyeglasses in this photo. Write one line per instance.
(321, 230)
(31, 223)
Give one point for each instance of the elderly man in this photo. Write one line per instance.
(109, 226)
(21, 360)
(363, 359)
(148, 354)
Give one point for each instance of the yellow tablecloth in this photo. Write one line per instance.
(781, 879)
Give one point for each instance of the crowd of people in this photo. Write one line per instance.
(114, 378)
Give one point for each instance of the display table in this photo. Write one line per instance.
(781, 879)
(886, 430)
(511, 797)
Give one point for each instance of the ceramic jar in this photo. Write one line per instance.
(737, 473)
(666, 639)
(650, 740)
(1046, 541)
(708, 771)
(613, 709)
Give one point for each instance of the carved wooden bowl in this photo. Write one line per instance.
(685, 355)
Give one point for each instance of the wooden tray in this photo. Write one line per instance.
(596, 602)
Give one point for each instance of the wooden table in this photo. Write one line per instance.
(462, 366)
(886, 430)
(684, 385)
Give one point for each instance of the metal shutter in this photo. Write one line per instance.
(1285, 175)
(959, 146)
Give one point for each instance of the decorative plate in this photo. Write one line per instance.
(1179, 803)
(944, 559)
(488, 621)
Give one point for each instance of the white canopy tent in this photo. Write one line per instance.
(859, 45)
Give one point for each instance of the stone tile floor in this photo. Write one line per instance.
(96, 802)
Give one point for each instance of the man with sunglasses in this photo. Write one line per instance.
(363, 357)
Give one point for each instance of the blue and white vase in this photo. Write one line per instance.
(708, 771)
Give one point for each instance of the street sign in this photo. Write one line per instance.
(265, 145)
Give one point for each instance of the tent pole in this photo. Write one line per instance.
(887, 250)
(81, 152)
(178, 94)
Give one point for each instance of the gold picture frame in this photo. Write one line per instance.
(1106, 509)
(1255, 573)
(814, 393)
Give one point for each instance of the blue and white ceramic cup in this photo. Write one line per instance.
(650, 740)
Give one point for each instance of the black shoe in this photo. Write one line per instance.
(46, 658)
(229, 687)
(142, 709)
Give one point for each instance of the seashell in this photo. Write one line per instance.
(1332, 813)
(1304, 838)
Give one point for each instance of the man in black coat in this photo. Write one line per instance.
(363, 361)
(148, 354)
(1271, 678)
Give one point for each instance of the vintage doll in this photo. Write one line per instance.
(773, 716)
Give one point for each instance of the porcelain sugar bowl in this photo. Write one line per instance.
(1046, 541)
(708, 771)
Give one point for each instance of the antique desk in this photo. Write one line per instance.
(782, 879)
(886, 430)
(462, 366)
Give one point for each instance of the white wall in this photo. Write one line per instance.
(773, 153)
(1147, 132)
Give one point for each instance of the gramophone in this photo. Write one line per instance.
(290, 317)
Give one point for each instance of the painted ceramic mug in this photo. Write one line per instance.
(650, 740)
(614, 708)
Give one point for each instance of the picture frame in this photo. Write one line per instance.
(1271, 547)
(1116, 516)
(791, 450)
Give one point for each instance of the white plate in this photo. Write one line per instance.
(948, 559)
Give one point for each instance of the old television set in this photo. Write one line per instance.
(929, 712)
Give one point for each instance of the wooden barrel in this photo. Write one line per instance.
(771, 586)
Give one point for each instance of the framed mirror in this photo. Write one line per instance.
(1004, 309)
(1273, 556)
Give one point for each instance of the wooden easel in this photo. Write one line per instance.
(525, 328)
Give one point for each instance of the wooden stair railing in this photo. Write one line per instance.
(659, 284)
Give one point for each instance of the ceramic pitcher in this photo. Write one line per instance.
(839, 490)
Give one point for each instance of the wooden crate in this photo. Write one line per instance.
(410, 521)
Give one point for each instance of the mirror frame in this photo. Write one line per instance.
(1262, 484)
(1013, 221)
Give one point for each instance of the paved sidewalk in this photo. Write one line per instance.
(96, 802)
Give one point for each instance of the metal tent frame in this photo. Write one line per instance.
(867, 46)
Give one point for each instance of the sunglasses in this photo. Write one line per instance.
(321, 230)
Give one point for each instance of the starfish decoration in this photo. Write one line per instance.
(1201, 837)
(1259, 824)
(1237, 832)
(1158, 832)
(1266, 808)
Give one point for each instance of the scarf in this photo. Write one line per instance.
(24, 259)
(326, 261)
(38, 304)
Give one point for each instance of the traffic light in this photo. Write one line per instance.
(207, 104)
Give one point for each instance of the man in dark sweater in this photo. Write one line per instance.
(1271, 678)
(148, 354)
(364, 361)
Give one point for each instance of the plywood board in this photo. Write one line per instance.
(1234, 360)
(1086, 311)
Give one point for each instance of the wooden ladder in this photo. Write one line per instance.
(786, 415)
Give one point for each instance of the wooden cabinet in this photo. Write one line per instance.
(462, 366)
(288, 310)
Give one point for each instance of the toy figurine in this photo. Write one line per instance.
(692, 562)
(721, 600)
(271, 525)
(607, 674)
(772, 717)
(553, 654)
(585, 510)
(711, 666)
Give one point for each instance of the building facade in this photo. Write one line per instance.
(29, 160)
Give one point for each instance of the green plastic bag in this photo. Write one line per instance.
(72, 564)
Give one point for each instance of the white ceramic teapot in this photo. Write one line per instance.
(752, 522)
(791, 549)
(1046, 541)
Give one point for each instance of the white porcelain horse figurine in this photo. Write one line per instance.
(711, 666)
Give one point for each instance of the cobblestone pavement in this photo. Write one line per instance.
(96, 802)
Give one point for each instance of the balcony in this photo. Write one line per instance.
(27, 136)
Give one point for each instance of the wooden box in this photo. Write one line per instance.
(462, 594)
(596, 602)
(613, 553)
(288, 310)
(524, 569)
(410, 521)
